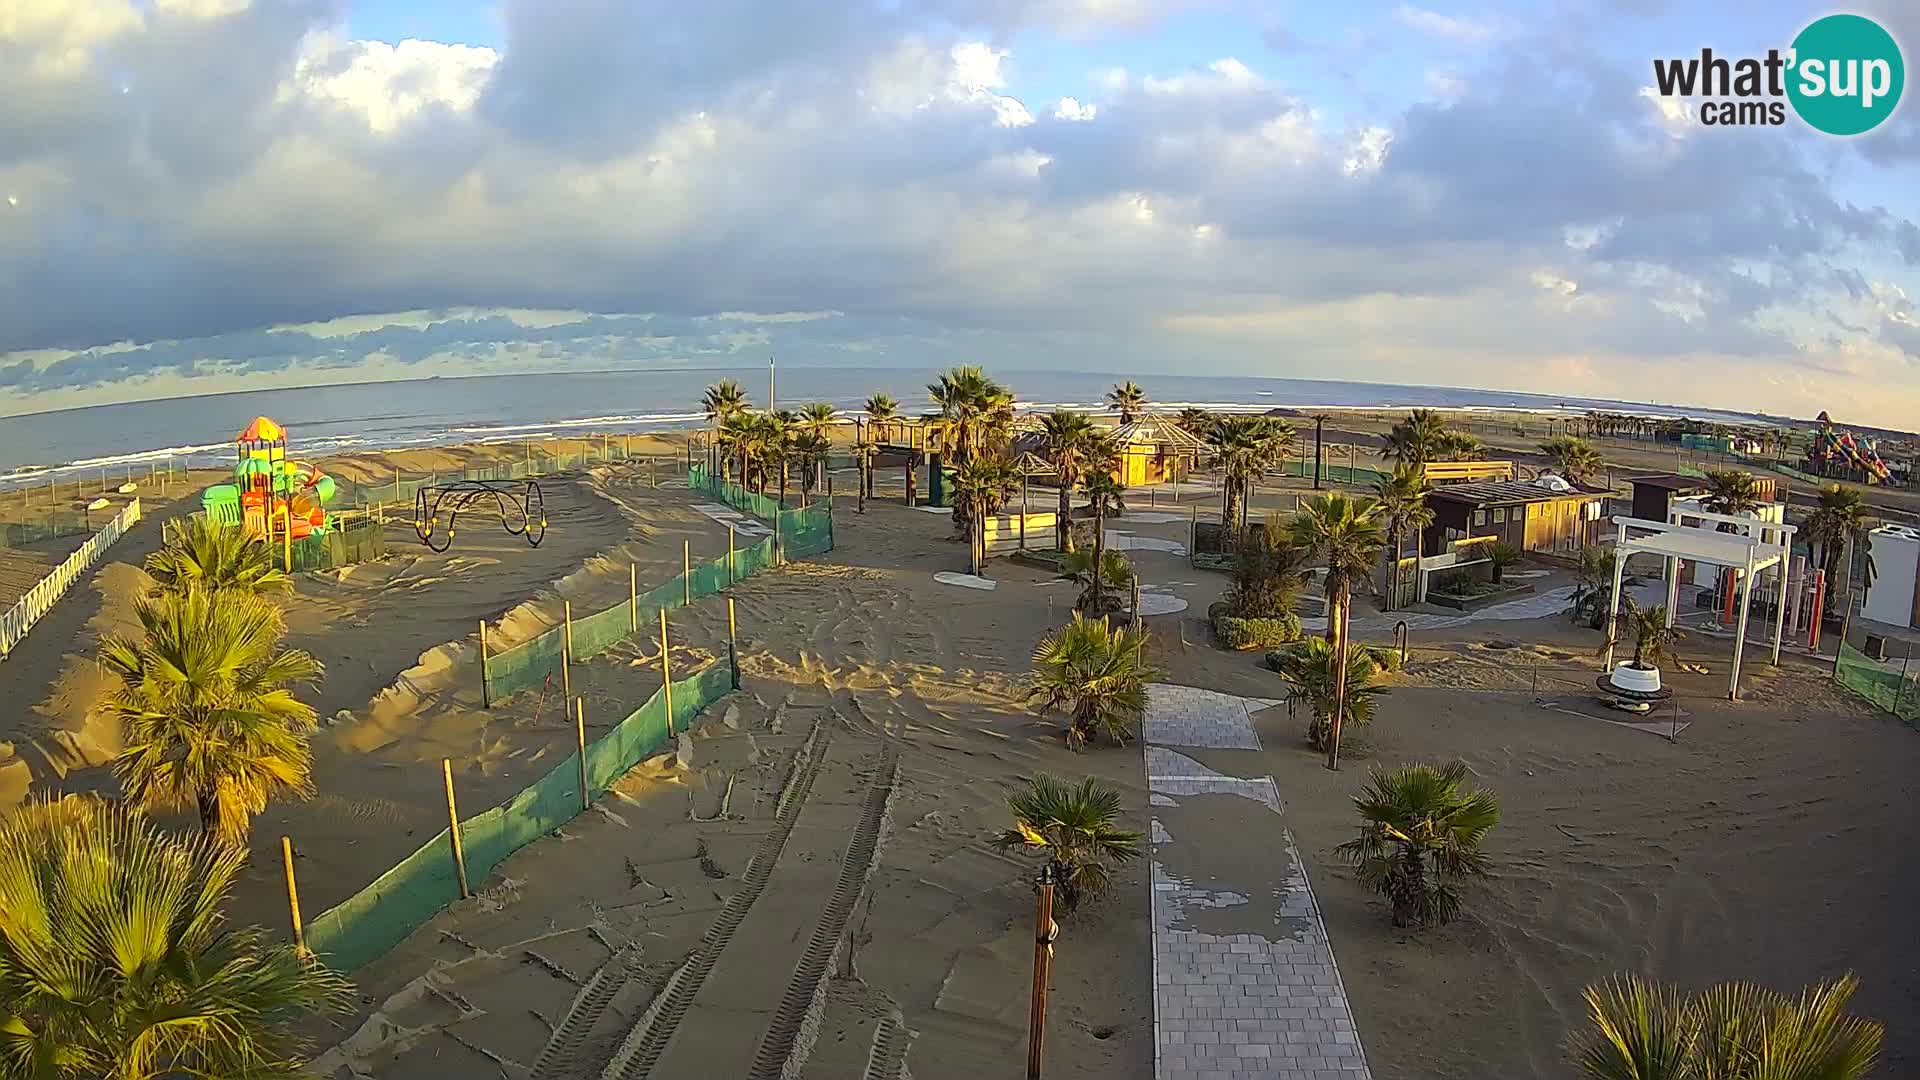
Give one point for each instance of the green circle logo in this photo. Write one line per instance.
(1846, 75)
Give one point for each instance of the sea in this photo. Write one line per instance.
(326, 420)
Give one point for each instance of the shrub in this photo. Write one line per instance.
(1236, 633)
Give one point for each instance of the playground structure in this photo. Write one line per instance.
(523, 510)
(272, 497)
(1835, 454)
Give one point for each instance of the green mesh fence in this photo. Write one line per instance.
(358, 542)
(380, 916)
(1896, 691)
(401, 489)
(46, 527)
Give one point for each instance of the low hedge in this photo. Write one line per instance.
(1235, 633)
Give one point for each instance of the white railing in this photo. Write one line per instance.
(41, 598)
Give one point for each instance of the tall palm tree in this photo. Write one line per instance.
(201, 553)
(723, 400)
(1346, 534)
(116, 959)
(1732, 491)
(1129, 399)
(810, 450)
(1268, 573)
(1197, 421)
(1402, 498)
(1638, 1029)
(1572, 457)
(1115, 573)
(863, 454)
(1422, 437)
(881, 408)
(1243, 448)
(1077, 828)
(985, 482)
(1097, 675)
(977, 417)
(1420, 835)
(1105, 498)
(1308, 666)
(1832, 527)
(1064, 440)
(206, 700)
(779, 432)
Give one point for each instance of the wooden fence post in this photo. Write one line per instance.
(580, 730)
(686, 573)
(666, 670)
(733, 573)
(566, 653)
(453, 829)
(633, 598)
(733, 644)
(486, 673)
(293, 898)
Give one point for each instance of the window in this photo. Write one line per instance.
(1500, 515)
(1479, 517)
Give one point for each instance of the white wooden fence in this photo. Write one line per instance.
(41, 598)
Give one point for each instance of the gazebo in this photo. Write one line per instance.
(1763, 546)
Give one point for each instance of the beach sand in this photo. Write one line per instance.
(852, 789)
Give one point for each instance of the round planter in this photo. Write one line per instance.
(1636, 680)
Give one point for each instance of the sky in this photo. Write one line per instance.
(208, 195)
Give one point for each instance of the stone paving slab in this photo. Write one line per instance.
(1245, 984)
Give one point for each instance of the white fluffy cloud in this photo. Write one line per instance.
(877, 168)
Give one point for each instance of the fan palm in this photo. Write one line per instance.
(984, 483)
(1641, 1030)
(723, 401)
(1077, 829)
(1345, 533)
(1420, 835)
(817, 419)
(206, 702)
(810, 450)
(863, 454)
(977, 417)
(1243, 448)
(881, 408)
(201, 553)
(1402, 498)
(1105, 498)
(777, 434)
(1593, 585)
(1839, 517)
(1571, 456)
(1064, 438)
(1268, 573)
(1116, 573)
(1129, 399)
(1653, 639)
(1197, 421)
(1730, 491)
(1422, 437)
(1097, 675)
(115, 960)
(1307, 667)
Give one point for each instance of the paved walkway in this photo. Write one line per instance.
(1245, 984)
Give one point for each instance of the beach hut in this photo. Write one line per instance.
(1550, 514)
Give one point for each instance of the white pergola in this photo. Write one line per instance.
(1762, 545)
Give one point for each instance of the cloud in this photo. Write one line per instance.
(627, 184)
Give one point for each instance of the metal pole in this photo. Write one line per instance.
(733, 644)
(453, 829)
(580, 732)
(686, 573)
(1613, 613)
(486, 673)
(633, 598)
(1045, 930)
(293, 898)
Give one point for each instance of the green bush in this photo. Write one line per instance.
(1383, 657)
(1256, 633)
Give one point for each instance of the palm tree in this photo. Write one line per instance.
(206, 701)
(1308, 666)
(1115, 573)
(1593, 585)
(880, 409)
(116, 959)
(740, 441)
(1420, 835)
(1105, 498)
(1268, 573)
(1346, 534)
(778, 434)
(1197, 421)
(1572, 457)
(810, 450)
(1064, 440)
(817, 418)
(201, 553)
(1731, 491)
(1402, 498)
(977, 415)
(984, 482)
(1097, 675)
(1129, 399)
(723, 400)
(1840, 517)
(863, 454)
(1653, 639)
(1422, 437)
(1642, 1030)
(1076, 828)
(1243, 448)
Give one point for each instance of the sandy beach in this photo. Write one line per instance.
(850, 791)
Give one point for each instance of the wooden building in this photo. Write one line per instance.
(1545, 515)
(1655, 494)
